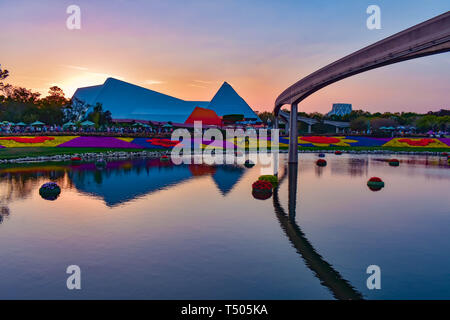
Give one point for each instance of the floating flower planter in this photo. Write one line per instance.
(375, 184)
(164, 158)
(321, 162)
(261, 195)
(100, 164)
(321, 155)
(75, 159)
(262, 190)
(269, 178)
(49, 191)
(249, 164)
(338, 152)
(394, 162)
(444, 154)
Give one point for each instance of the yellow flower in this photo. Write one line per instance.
(415, 143)
(126, 139)
(323, 141)
(9, 142)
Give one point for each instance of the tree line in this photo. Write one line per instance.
(19, 104)
(363, 120)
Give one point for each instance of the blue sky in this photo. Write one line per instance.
(188, 48)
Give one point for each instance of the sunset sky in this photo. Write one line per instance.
(188, 48)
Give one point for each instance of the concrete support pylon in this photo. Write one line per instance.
(309, 128)
(337, 129)
(293, 135)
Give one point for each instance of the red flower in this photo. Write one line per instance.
(163, 142)
(375, 179)
(262, 185)
(417, 143)
(28, 140)
(75, 159)
(318, 139)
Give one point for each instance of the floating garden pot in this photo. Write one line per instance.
(75, 159)
(249, 164)
(49, 191)
(375, 184)
(262, 189)
(444, 154)
(338, 152)
(321, 155)
(321, 162)
(261, 195)
(100, 164)
(164, 158)
(270, 178)
(394, 162)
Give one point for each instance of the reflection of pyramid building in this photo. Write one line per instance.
(118, 186)
(226, 176)
(124, 181)
(128, 101)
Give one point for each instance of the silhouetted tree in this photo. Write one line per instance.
(100, 117)
(359, 124)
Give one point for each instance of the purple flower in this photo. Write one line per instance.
(99, 142)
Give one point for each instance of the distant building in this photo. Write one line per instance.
(340, 109)
(128, 101)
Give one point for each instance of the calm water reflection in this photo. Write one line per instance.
(149, 229)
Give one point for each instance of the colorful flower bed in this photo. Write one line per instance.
(413, 142)
(39, 141)
(165, 143)
(323, 141)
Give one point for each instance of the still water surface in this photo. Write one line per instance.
(143, 229)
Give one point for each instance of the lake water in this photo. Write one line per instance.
(144, 229)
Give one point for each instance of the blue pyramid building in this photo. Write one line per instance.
(228, 101)
(128, 101)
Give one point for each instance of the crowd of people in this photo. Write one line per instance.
(8, 128)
